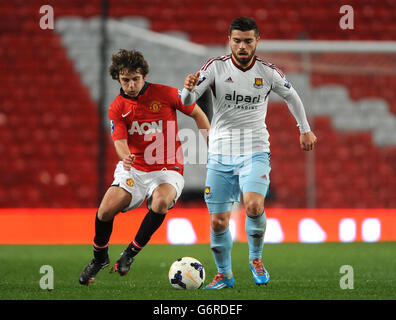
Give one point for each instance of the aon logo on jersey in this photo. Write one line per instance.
(145, 127)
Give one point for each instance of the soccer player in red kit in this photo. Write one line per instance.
(144, 130)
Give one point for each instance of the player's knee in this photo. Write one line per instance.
(160, 204)
(219, 224)
(106, 215)
(254, 207)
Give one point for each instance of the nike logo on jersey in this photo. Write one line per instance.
(124, 115)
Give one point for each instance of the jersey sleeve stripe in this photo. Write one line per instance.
(210, 61)
(207, 62)
(272, 66)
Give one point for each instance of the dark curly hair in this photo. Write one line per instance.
(128, 61)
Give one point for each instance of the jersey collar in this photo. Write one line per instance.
(124, 95)
(250, 66)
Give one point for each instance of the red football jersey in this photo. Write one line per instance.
(149, 123)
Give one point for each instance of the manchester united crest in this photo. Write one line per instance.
(155, 106)
(129, 182)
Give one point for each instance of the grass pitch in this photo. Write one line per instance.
(298, 271)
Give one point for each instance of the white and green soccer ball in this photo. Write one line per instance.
(186, 273)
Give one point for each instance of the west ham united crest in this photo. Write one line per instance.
(258, 83)
(207, 192)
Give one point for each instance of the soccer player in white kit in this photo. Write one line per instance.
(239, 153)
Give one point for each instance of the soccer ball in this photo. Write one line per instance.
(186, 273)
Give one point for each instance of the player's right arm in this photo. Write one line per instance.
(196, 84)
(119, 134)
(191, 81)
(189, 95)
(124, 153)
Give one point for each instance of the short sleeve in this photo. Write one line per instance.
(118, 126)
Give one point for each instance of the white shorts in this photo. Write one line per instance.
(141, 184)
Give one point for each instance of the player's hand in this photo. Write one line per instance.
(191, 81)
(307, 141)
(127, 161)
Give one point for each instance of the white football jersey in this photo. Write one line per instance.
(240, 99)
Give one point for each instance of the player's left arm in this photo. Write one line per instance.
(296, 107)
(201, 121)
(284, 89)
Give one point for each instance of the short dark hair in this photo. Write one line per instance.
(128, 61)
(244, 24)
